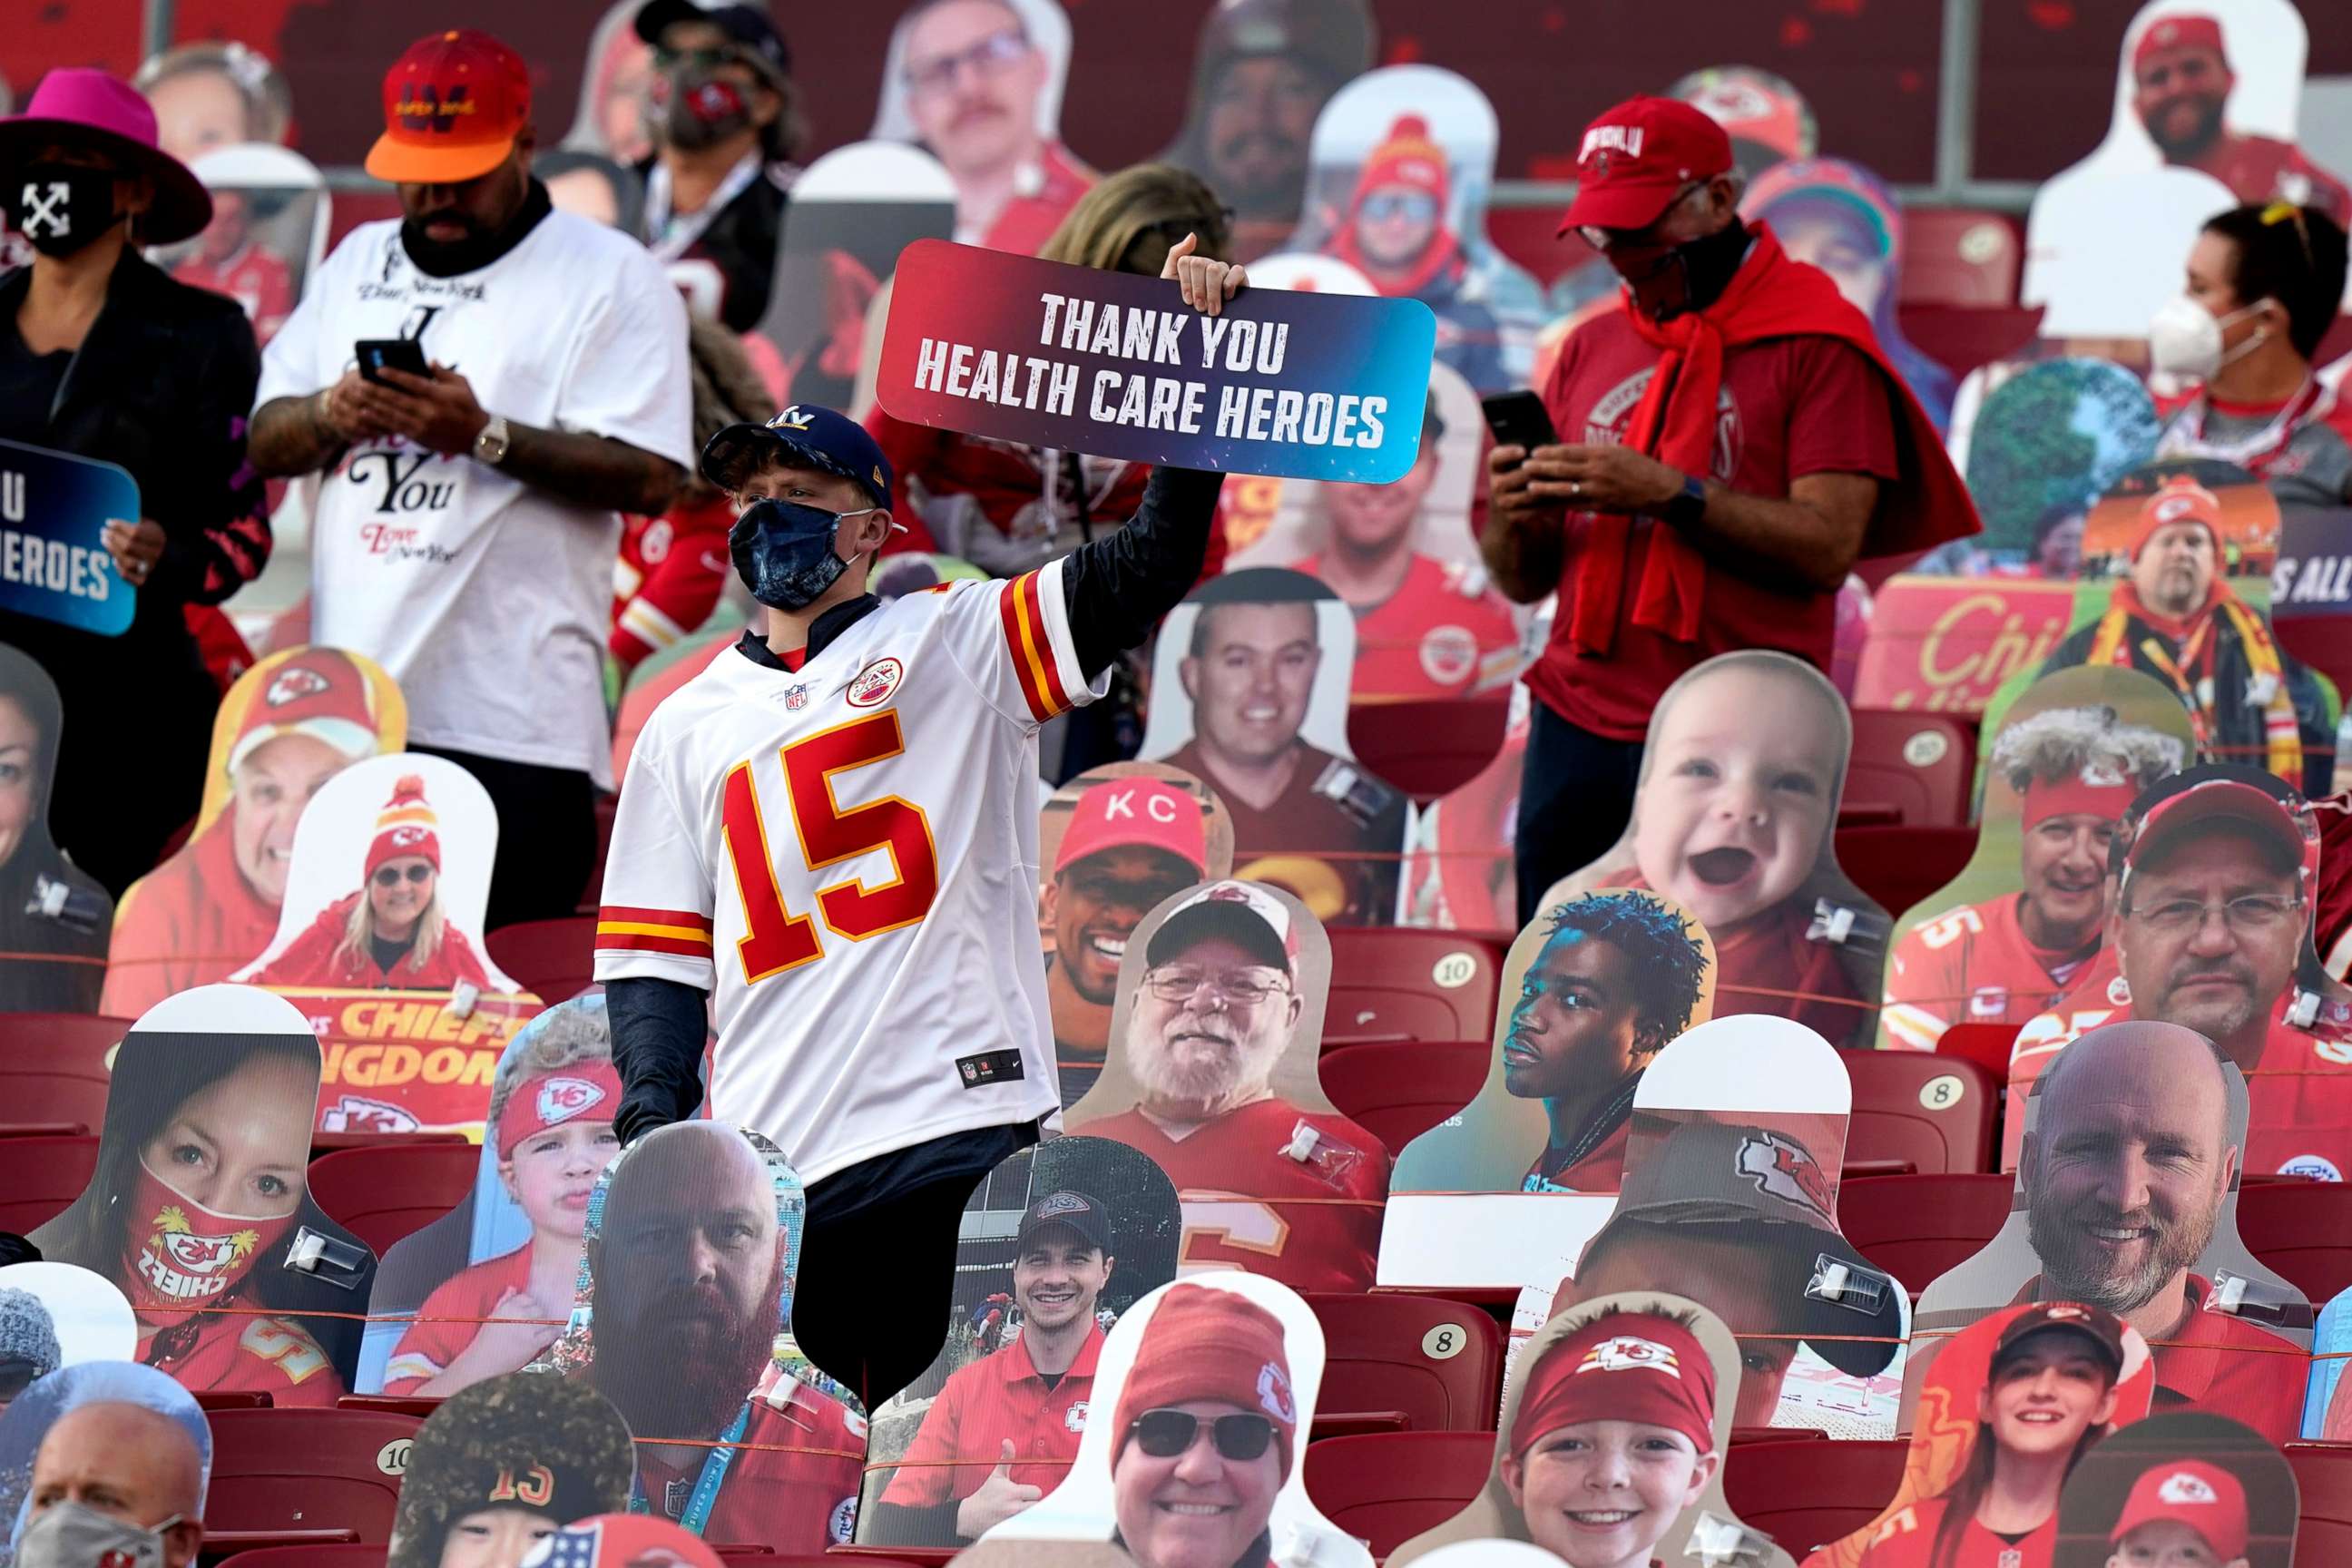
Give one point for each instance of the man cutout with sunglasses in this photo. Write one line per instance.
(2209, 930)
(1268, 1186)
(1004, 1429)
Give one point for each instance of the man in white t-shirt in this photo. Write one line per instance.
(466, 517)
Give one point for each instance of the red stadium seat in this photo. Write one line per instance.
(1429, 748)
(1392, 983)
(282, 1470)
(1903, 866)
(1923, 765)
(1399, 1089)
(211, 1399)
(1437, 1364)
(40, 1176)
(1932, 1114)
(1805, 1495)
(2322, 1476)
(552, 960)
(2302, 1229)
(54, 1073)
(385, 1192)
(1987, 1045)
(1385, 1487)
(1960, 256)
(1915, 1228)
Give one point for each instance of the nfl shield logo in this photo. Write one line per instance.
(796, 699)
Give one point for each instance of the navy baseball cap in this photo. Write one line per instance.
(805, 435)
(746, 25)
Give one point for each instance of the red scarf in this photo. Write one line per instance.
(1771, 296)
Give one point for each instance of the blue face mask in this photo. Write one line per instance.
(783, 551)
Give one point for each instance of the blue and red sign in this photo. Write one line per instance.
(1314, 386)
(54, 508)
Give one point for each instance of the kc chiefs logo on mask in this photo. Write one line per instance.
(566, 1099)
(292, 686)
(1779, 1169)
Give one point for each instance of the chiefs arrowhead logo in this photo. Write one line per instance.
(566, 1099)
(292, 686)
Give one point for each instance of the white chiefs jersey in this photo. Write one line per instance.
(845, 856)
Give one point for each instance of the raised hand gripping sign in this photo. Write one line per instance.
(53, 563)
(1312, 387)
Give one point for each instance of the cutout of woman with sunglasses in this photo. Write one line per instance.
(390, 935)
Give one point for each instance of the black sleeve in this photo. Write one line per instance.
(658, 1027)
(898, 1524)
(1119, 586)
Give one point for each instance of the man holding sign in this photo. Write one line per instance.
(829, 829)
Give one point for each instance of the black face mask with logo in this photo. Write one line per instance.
(1692, 274)
(61, 208)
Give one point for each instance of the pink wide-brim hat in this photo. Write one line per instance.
(81, 104)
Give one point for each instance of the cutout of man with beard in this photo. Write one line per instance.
(1268, 1186)
(690, 1276)
(2131, 1156)
(2181, 83)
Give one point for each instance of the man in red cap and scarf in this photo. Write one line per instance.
(1396, 235)
(2182, 81)
(2175, 617)
(1730, 443)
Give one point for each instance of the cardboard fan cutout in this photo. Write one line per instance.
(2189, 1487)
(2024, 921)
(1058, 1243)
(200, 1210)
(53, 916)
(54, 1315)
(1119, 839)
(2233, 843)
(1766, 116)
(1593, 990)
(1611, 1442)
(1213, 1074)
(1402, 160)
(290, 723)
(1262, 72)
(739, 1437)
(485, 1288)
(2327, 1403)
(2009, 1409)
(1741, 774)
(380, 943)
(1249, 690)
(268, 232)
(2126, 1198)
(60, 1396)
(1014, 180)
(1730, 1197)
(502, 1466)
(622, 1540)
(1216, 1375)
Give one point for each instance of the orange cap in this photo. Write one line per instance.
(451, 106)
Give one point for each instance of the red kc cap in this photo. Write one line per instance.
(1636, 156)
(1141, 810)
(2169, 33)
(2206, 1498)
(451, 106)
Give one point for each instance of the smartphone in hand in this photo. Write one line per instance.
(1518, 419)
(379, 355)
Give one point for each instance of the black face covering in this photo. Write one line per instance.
(60, 208)
(1692, 274)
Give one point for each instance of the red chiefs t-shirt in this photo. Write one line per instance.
(452, 1315)
(997, 1399)
(1971, 965)
(1907, 1540)
(1787, 408)
(2263, 169)
(1444, 633)
(1311, 1220)
(792, 1485)
(235, 1353)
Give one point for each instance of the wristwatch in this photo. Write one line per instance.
(490, 445)
(1689, 505)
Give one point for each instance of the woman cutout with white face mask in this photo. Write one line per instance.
(2263, 288)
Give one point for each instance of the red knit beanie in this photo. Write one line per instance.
(1202, 1343)
(406, 827)
(2178, 500)
(1407, 157)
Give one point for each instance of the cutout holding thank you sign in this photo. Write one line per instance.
(200, 1209)
(1741, 774)
(54, 508)
(379, 943)
(485, 1288)
(1593, 990)
(2185, 1488)
(739, 1437)
(2025, 919)
(502, 1466)
(52, 915)
(1612, 1443)
(1011, 348)
(132, 1395)
(1218, 1373)
(1213, 1074)
(2126, 1199)
(1730, 1197)
(1058, 1243)
(290, 723)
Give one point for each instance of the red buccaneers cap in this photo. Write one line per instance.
(451, 106)
(1636, 156)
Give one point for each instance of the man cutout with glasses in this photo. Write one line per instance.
(2209, 931)
(1266, 1186)
(1396, 234)
(972, 77)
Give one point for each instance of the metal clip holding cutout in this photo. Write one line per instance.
(1858, 1290)
(2257, 1301)
(66, 904)
(1719, 1543)
(342, 1264)
(2305, 1010)
(462, 997)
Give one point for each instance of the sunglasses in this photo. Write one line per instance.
(1165, 1434)
(1415, 207)
(390, 876)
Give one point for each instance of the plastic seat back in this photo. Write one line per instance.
(54, 1074)
(384, 1191)
(1902, 866)
(1399, 1089)
(1436, 1362)
(550, 959)
(2322, 1478)
(1923, 765)
(1385, 1487)
(1933, 1113)
(40, 1176)
(1963, 256)
(1393, 982)
(1805, 1495)
(2302, 1229)
(1915, 1228)
(1429, 748)
(307, 1469)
